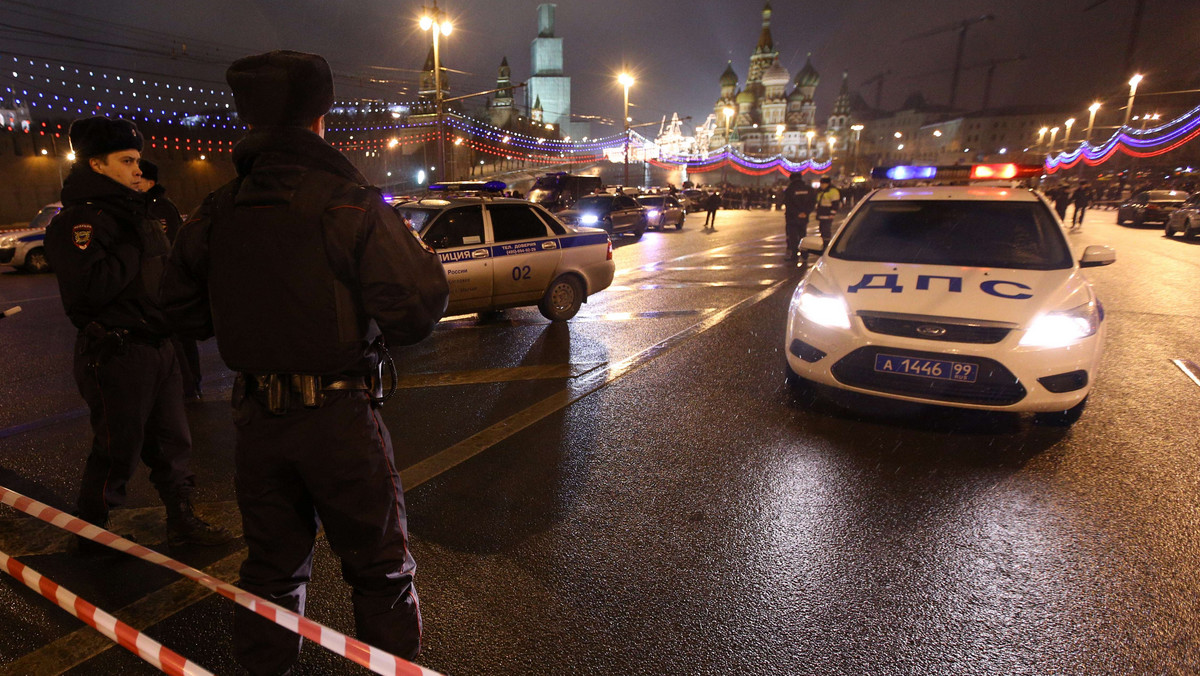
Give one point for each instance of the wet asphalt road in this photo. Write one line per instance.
(639, 492)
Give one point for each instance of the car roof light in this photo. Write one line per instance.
(994, 171)
(904, 172)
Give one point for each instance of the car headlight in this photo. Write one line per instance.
(821, 308)
(1059, 329)
(6, 242)
(589, 219)
(653, 213)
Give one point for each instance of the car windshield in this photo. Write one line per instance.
(417, 217)
(594, 203)
(974, 233)
(651, 201)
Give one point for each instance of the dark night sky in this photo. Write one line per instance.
(677, 50)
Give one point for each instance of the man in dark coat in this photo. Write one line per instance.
(164, 212)
(109, 259)
(1082, 199)
(711, 204)
(799, 200)
(303, 272)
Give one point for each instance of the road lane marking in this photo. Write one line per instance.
(474, 324)
(451, 457)
(498, 375)
(1189, 369)
(690, 285)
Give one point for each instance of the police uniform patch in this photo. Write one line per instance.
(81, 236)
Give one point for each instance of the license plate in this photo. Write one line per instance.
(957, 371)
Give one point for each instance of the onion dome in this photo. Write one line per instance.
(775, 75)
(729, 78)
(747, 96)
(808, 76)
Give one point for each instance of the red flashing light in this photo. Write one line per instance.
(994, 171)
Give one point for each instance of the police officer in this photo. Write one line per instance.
(109, 258)
(799, 199)
(164, 212)
(829, 199)
(298, 266)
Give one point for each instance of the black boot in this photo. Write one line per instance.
(185, 528)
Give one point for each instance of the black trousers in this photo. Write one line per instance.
(795, 229)
(330, 466)
(136, 411)
(189, 365)
(825, 226)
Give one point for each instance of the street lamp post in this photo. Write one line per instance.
(832, 142)
(1067, 136)
(809, 135)
(1133, 85)
(434, 20)
(626, 81)
(1053, 134)
(1042, 137)
(857, 129)
(728, 112)
(1091, 120)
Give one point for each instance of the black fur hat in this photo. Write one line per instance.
(99, 136)
(281, 88)
(149, 170)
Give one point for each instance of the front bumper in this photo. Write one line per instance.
(6, 255)
(1010, 377)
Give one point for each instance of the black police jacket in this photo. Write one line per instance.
(296, 265)
(799, 199)
(163, 211)
(108, 256)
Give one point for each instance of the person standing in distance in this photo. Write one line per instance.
(109, 258)
(164, 212)
(1082, 199)
(711, 204)
(298, 266)
(799, 199)
(828, 201)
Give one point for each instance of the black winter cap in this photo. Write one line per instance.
(149, 170)
(99, 136)
(281, 88)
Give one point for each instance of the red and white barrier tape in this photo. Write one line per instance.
(363, 654)
(164, 659)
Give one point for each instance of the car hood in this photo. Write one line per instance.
(991, 294)
(24, 232)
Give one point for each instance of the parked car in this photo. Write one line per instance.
(662, 210)
(616, 214)
(500, 253)
(694, 199)
(1185, 219)
(23, 249)
(1150, 206)
(561, 190)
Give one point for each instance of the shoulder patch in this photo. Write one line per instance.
(81, 236)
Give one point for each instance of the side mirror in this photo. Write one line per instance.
(812, 244)
(1097, 255)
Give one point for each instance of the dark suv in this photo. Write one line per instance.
(1150, 206)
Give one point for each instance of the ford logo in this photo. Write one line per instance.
(931, 330)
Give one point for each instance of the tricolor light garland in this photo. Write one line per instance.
(1132, 142)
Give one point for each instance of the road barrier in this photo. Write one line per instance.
(164, 659)
(363, 654)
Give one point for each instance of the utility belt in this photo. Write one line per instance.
(101, 343)
(280, 392)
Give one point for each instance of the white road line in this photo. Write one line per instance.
(1189, 369)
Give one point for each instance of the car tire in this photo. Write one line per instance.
(1188, 231)
(35, 261)
(1061, 418)
(639, 229)
(608, 226)
(1120, 217)
(562, 299)
(679, 223)
(1138, 220)
(1168, 231)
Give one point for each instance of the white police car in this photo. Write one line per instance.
(23, 249)
(500, 253)
(965, 296)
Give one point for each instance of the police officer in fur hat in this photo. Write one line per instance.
(306, 276)
(109, 258)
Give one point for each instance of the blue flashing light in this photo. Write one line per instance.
(906, 173)
(495, 186)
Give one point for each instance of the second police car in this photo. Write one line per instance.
(501, 253)
(966, 296)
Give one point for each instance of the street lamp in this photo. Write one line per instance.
(832, 142)
(1067, 136)
(626, 81)
(728, 111)
(434, 20)
(1053, 134)
(1091, 119)
(1133, 85)
(857, 129)
(809, 135)
(1042, 136)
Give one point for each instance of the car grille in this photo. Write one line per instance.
(995, 385)
(951, 331)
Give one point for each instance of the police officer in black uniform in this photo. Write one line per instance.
(164, 212)
(799, 200)
(298, 267)
(109, 259)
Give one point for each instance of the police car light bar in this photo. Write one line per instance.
(957, 172)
